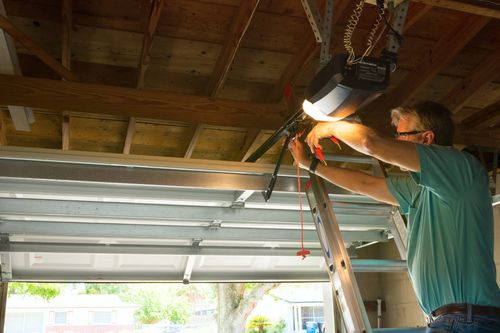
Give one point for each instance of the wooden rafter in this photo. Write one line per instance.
(31, 46)
(429, 64)
(490, 139)
(74, 96)
(253, 145)
(239, 26)
(3, 130)
(487, 71)
(415, 13)
(304, 56)
(130, 135)
(67, 22)
(147, 43)
(249, 145)
(65, 130)
(194, 140)
(483, 8)
(487, 117)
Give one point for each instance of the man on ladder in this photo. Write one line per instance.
(447, 202)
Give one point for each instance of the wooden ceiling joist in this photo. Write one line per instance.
(250, 144)
(239, 26)
(67, 22)
(487, 117)
(194, 140)
(65, 130)
(36, 50)
(304, 56)
(73, 96)
(3, 130)
(489, 139)
(487, 71)
(415, 13)
(428, 65)
(482, 8)
(130, 135)
(153, 19)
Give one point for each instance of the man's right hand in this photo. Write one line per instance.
(299, 155)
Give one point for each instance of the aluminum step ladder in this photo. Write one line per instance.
(345, 288)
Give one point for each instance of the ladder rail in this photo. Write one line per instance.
(347, 293)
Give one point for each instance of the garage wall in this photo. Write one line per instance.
(402, 306)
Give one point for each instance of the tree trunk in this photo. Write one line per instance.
(237, 302)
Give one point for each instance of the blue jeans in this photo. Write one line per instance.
(457, 323)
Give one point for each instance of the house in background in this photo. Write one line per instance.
(295, 304)
(70, 313)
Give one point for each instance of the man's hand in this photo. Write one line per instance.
(320, 131)
(299, 155)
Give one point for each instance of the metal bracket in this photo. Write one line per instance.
(196, 242)
(274, 176)
(398, 231)
(393, 43)
(314, 18)
(215, 225)
(396, 224)
(322, 28)
(326, 32)
(240, 197)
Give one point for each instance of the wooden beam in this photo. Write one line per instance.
(430, 63)
(9, 64)
(147, 43)
(239, 26)
(130, 135)
(305, 55)
(487, 71)
(250, 141)
(490, 139)
(487, 117)
(415, 13)
(254, 144)
(126, 102)
(31, 46)
(3, 130)
(67, 23)
(482, 8)
(194, 140)
(65, 130)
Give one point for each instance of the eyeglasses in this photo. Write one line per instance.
(400, 134)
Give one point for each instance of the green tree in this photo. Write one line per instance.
(178, 312)
(279, 327)
(259, 324)
(159, 302)
(236, 301)
(105, 288)
(46, 291)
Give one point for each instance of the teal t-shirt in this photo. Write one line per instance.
(450, 228)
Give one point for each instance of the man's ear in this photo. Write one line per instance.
(428, 137)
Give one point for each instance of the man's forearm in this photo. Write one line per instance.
(357, 182)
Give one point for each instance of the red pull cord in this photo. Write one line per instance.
(302, 252)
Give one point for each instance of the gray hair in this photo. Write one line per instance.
(429, 116)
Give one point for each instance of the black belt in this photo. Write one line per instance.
(465, 309)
